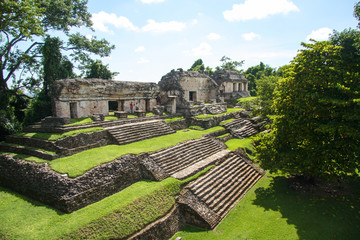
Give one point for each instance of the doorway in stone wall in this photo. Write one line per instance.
(147, 105)
(73, 110)
(192, 96)
(113, 106)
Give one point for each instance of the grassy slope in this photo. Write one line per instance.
(271, 210)
(117, 216)
(79, 163)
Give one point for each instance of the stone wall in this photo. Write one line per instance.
(76, 98)
(39, 182)
(164, 228)
(83, 141)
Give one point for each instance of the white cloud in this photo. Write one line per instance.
(89, 37)
(143, 60)
(102, 18)
(139, 49)
(213, 36)
(320, 34)
(204, 49)
(250, 36)
(152, 1)
(195, 21)
(259, 9)
(161, 27)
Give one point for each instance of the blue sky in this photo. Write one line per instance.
(152, 37)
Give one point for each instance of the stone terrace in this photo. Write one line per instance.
(212, 196)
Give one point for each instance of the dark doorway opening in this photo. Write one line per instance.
(147, 105)
(192, 96)
(113, 106)
(73, 110)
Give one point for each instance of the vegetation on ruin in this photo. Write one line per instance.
(246, 144)
(78, 164)
(28, 147)
(116, 216)
(57, 136)
(173, 119)
(229, 110)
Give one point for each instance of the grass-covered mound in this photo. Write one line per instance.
(117, 216)
(57, 136)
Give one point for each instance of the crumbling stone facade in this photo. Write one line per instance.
(232, 85)
(76, 98)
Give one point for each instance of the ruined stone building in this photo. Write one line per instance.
(76, 98)
(177, 91)
(232, 85)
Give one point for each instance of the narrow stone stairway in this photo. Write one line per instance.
(199, 153)
(133, 132)
(241, 128)
(215, 194)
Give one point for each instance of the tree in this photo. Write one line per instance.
(23, 30)
(229, 64)
(265, 91)
(97, 70)
(357, 12)
(23, 26)
(198, 65)
(316, 127)
(256, 72)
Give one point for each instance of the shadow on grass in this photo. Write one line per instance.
(314, 217)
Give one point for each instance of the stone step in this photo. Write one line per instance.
(27, 151)
(200, 165)
(177, 166)
(232, 186)
(191, 151)
(216, 175)
(225, 208)
(132, 132)
(217, 186)
(181, 149)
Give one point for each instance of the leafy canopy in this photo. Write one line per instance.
(317, 105)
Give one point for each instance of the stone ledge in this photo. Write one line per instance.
(191, 170)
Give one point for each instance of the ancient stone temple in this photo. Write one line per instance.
(187, 88)
(76, 98)
(232, 84)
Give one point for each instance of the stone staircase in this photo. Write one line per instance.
(241, 128)
(186, 158)
(212, 196)
(133, 132)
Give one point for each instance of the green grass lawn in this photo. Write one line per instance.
(271, 210)
(246, 144)
(229, 110)
(79, 163)
(116, 216)
(57, 136)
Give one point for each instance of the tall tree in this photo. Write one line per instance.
(316, 128)
(229, 64)
(98, 70)
(198, 65)
(23, 25)
(256, 72)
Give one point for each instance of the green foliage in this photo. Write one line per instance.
(357, 12)
(256, 72)
(198, 65)
(229, 64)
(229, 110)
(97, 70)
(39, 108)
(316, 127)
(265, 91)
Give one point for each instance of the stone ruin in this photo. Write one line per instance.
(203, 203)
(186, 92)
